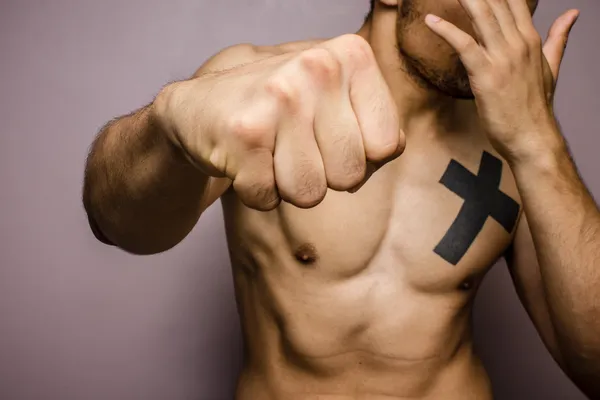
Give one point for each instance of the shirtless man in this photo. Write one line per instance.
(368, 183)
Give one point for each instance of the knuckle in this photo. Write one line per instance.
(503, 64)
(533, 38)
(468, 45)
(494, 82)
(282, 90)
(487, 14)
(218, 160)
(247, 129)
(358, 49)
(321, 63)
(521, 49)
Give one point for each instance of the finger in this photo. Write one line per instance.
(336, 130)
(558, 36)
(522, 15)
(339, 139)
(371, 169)
(467, 48)
(506, 20)
(370, 96)
(485, 22)
(299, 170)
(255, 182)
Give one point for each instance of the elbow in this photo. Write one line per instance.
(115, 220)
(108, 228)
(97, 232)
(92, 183)
(583, 367)
(587, 380)
(92, 211)
(143, 245)
(130, 242)
(97, 205)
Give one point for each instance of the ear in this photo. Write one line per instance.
(390, 3)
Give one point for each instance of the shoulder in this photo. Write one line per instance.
(290, 47)
(245, 53)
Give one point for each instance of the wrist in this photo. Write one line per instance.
(165, 110)
(545, 161)
(542, 146)
(161, 112)
(161, 133)
(162, 116)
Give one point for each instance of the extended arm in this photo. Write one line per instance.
(140, 192)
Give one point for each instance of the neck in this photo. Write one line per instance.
(420, 108)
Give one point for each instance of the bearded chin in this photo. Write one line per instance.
(452, 82)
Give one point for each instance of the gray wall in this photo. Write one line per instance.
(80, 321)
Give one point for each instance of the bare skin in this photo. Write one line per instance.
(336, 311)
(344, 287)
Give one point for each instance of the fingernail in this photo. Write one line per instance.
(432, 18)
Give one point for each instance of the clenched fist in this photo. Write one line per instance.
(290, 126)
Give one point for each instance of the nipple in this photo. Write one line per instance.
(306, 254)
(467, 284)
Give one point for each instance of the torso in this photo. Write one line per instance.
(360, 297)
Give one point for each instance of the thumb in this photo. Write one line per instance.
(554, 48)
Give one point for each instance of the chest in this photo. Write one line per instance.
(430, 220)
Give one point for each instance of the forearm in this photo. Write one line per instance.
(139, 190)
(565, 226)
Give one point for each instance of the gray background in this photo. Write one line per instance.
(81, 321)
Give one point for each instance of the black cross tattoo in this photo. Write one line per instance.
(483, 199)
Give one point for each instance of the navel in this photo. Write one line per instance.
(306, 254)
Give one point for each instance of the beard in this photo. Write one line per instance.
(453, 80)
